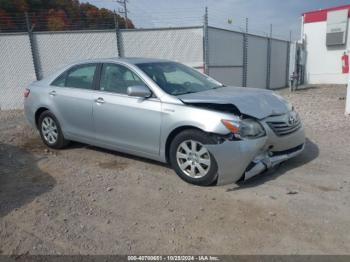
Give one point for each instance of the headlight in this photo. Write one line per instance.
(247, 128)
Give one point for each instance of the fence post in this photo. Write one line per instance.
(268, 67)
(120, 52)
(288, 57)
(245, 55)
(347, 103)
(206, 43)
(33, 48)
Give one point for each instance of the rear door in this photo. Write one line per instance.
(71, 96)
(131, 124)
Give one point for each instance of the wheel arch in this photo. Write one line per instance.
(38, 112)
(173, 134)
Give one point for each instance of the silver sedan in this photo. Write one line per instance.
(166, 111)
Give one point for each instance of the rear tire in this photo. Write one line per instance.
(191, 160)
(50, 131)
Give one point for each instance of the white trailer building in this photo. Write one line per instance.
(326, 40)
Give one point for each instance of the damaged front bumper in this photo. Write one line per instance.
(250, 157)
(269, 160)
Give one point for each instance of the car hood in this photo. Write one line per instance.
(258, 103)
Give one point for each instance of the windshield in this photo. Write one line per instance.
(178, 79)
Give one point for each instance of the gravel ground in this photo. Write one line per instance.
(86, 200)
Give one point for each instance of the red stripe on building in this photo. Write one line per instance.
(321, 15)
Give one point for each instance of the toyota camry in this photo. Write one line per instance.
(162, 110)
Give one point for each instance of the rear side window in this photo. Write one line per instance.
(60, 80)
(81, 76)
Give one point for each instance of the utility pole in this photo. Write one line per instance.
(124, 11)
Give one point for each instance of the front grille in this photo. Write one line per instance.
(285, 128)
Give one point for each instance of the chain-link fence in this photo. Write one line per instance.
(16, 69)
(232, 57)
(56, 49)
(180, 44)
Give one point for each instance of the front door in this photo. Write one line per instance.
(130, 124)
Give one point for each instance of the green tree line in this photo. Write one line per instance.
(56, 15)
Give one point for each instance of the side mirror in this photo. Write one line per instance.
(139, 91)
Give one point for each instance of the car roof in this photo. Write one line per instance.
(130, 60)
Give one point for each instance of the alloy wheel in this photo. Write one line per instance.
(49, 130)
(193, 159)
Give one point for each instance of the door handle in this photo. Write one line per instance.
(99, 100)
(53, 93)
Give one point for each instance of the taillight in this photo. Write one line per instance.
(26, 92)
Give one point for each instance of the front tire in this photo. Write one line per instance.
(191, 160)
(50, 131)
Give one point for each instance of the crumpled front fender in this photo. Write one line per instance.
(233, 157)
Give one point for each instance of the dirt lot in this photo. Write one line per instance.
(85, 200)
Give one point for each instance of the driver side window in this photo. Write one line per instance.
(117, 78)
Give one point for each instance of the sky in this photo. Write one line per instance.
(284, 15)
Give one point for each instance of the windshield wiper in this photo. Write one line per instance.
(185, 93)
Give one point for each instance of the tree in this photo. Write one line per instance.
(56, 20)
(55, 15)
(5, 20)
